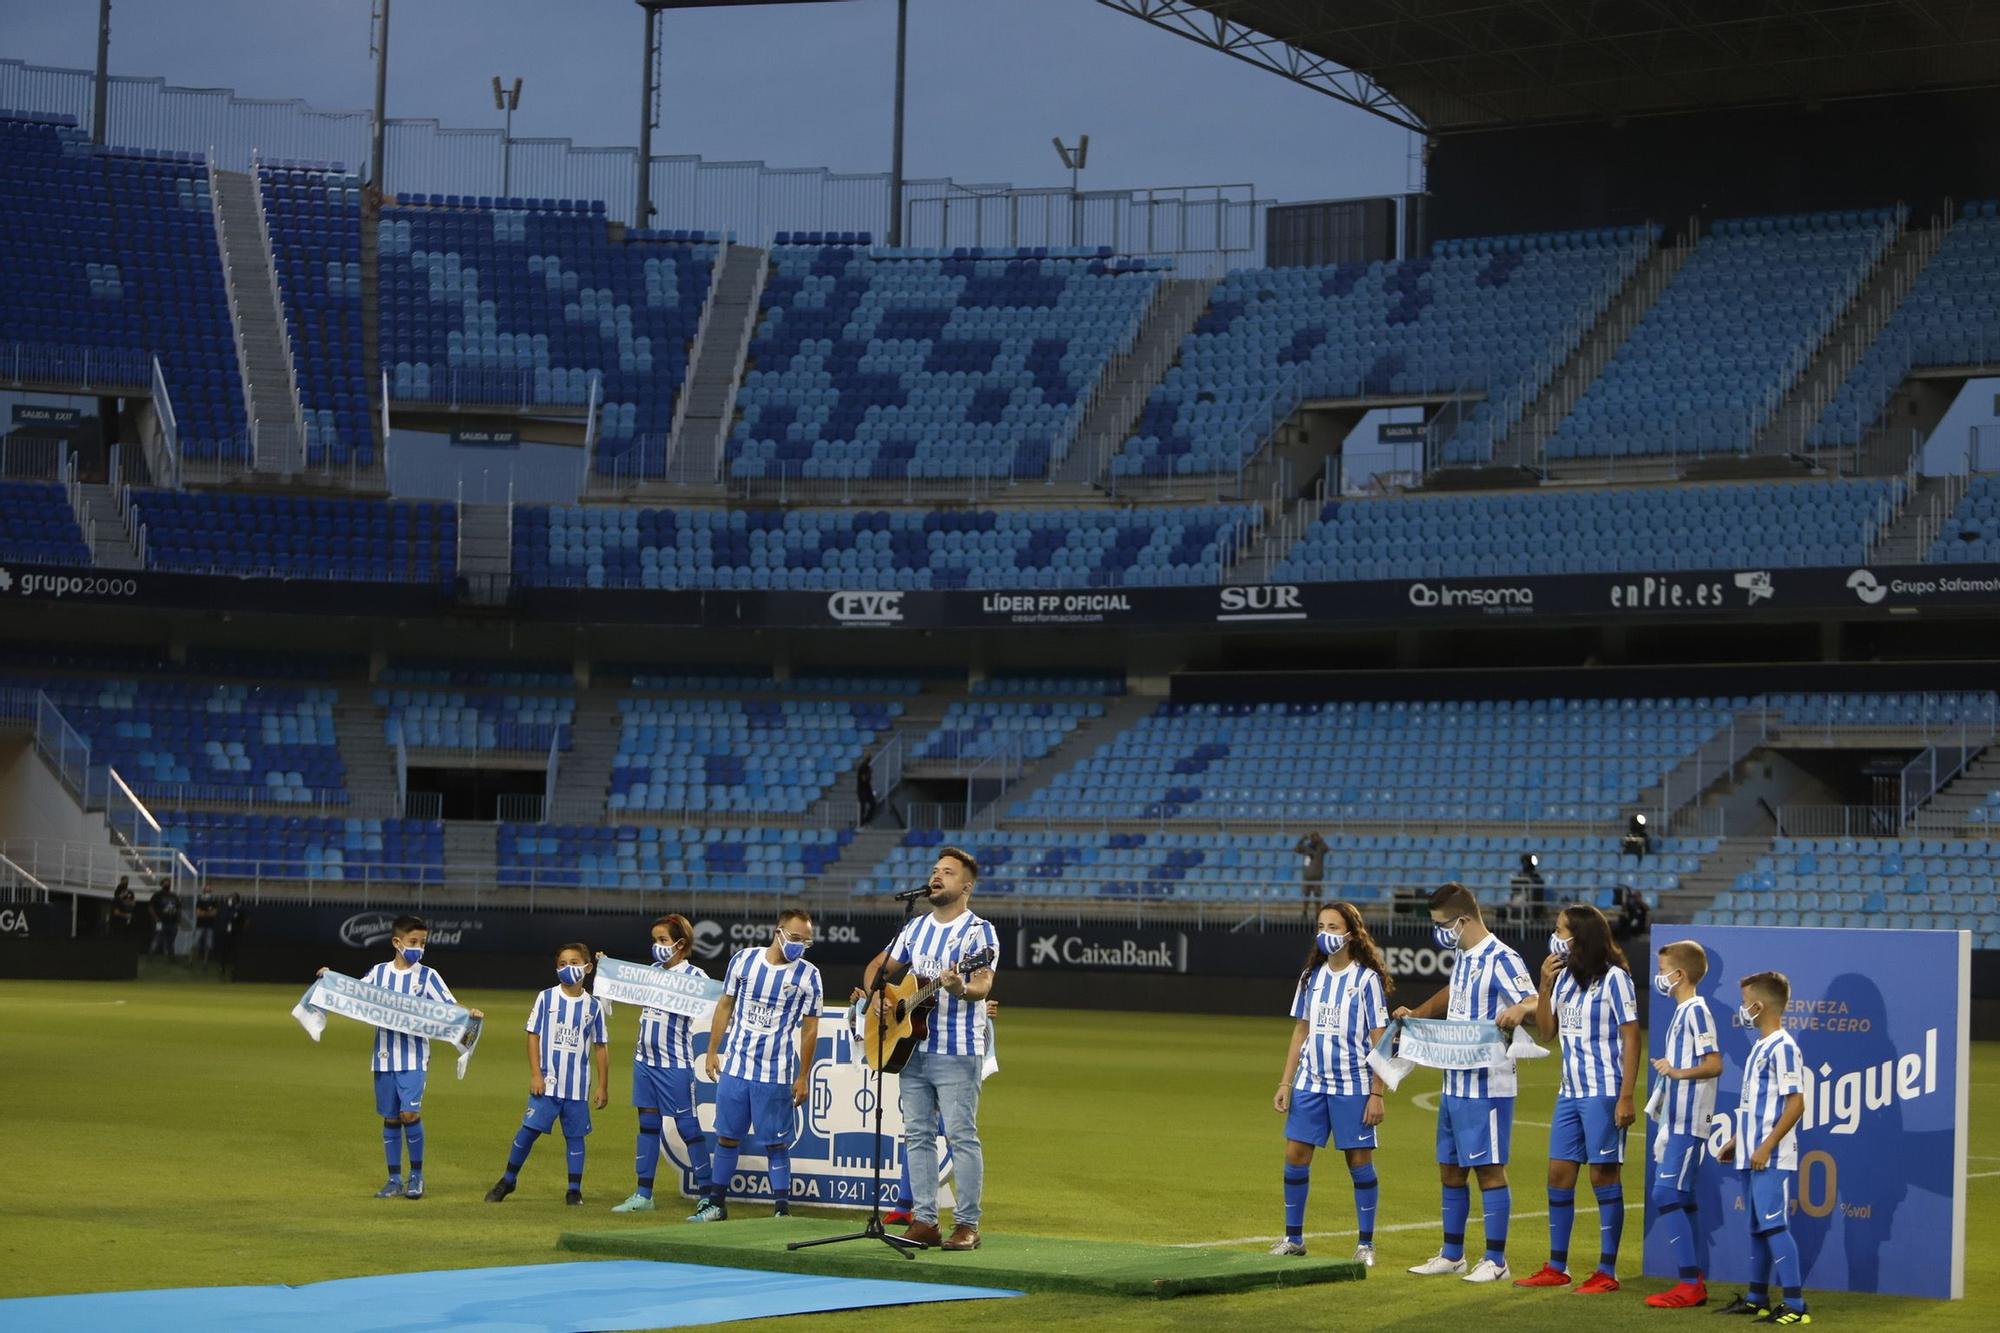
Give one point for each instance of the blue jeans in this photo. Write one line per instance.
(947, 1085)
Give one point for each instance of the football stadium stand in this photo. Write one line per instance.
(293, 536)
(314, 217)
(743, 756)
(37, 526)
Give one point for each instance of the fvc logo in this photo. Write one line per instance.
(866, 608)
(1865, 587)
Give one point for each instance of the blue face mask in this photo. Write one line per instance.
(1558, 945)
(1446, 936)
(662, 952)
(413, 954)
(1664, 982)
(793, 951)
(570, 974)
(1330, 942)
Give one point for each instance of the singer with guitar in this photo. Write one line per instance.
(953, 950)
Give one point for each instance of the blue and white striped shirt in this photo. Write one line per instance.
(957, 1027)
(772, 1000)
(399, 1052)
(568, 1029)
(1341, 1009)
(1690, 1103)
(1774, 1071)
(667, 1040)
(1588, 1020)
(1485, 979)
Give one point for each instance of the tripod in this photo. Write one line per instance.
(873, 1229)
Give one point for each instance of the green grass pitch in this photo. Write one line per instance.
(176, 1133)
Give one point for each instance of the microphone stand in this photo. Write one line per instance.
(873, 1229)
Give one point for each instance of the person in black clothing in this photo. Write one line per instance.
(164, 907)
(118, 917)
(205, 904)
(1312, 850)
(864, 790)
(230, 921)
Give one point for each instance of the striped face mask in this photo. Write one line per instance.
(570, 974)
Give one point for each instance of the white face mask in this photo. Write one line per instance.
(1664, 982)
(1747, 1013)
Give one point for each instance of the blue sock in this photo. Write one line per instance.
(1298, 1183)
(1457, 1208)
(1365, 1195)
(1693, 1212)
(722, 1170)
(1672, 1219)
(1562, 1220)
(414, 1134)
(697, 1148)
(779, 1159)
(1785, 1274)
(392, 1147)
(1498, 1205)
(646, 1157)
(1610, 1226)
(517, 1156)
(1760, 1271)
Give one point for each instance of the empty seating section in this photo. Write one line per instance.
(456, 720)
(37, 526)
(1040, 685)
(1951, 317)
(303, 537)
(979, 729)
(236, 846)
(314, 217)
(478, 675)
(806, 549)
(1889, 711)
(1249, 867)
(1713, 357)
(1658, 527)
(1972, 534)
(678, 861)
(178, 737)
(745, 756)
(749, 680)
(1476, 316)
(902, 364)
(1918, 883)
(525, 306)
(112, 254)
(1544, 759)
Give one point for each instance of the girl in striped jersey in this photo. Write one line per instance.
(663, 1073)
(1687, 1103)
(1587, 994)
(1328, 1091)
(565, 1044)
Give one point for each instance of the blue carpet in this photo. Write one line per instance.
(532, 1298)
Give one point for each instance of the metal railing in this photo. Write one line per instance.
(165, 463)
(740, 358)
(93, 869)
(95, 370)
(514, 808)
(461, 388)
(695, 348)
(825, 813)
(1713, 760)
(1111, 374)
(1283, 816)
(268, 254)
(1839, 821)
(18, 885)
(1924, 776)
(60, 744)
(25, 457)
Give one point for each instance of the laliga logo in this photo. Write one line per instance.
(866, 608)
(1865, 587)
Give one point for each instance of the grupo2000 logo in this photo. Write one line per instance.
(66, 585)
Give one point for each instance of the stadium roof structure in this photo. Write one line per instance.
(1452, 66)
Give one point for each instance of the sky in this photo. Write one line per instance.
(794, 85)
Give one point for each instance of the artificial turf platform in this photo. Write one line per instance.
(1025, 1263)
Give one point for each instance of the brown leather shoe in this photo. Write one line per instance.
(924, 1233)
(963, 1237)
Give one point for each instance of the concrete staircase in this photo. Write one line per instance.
(1847, 342)
(1945, 815)
(370, 763)
(1713, 762)
(486, 552)
(1122, 387)
(263, 352)
(471, 852)
(708, 403)
(1718, 873)
(1906, 538)
(113, 545)
(871, 846)
(583, 779)
(1523, 445)
(1124, 711)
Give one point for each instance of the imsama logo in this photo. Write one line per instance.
(866, 608)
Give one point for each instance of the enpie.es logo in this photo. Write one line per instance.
(1865, 587)
(1756, 582)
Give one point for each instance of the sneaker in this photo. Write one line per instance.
(1599, 1283)
(1364, 1255)
(1548, 1275)
(638, 1203)
(415, 1189)
(1741, 1305)
(573, 1197)
(501, 1189)
(1782, 1313)
(1437, 1266)
(1486, 1271)
(710, 1211)
(1680, 1296)
(392, 1190)
(1297, 1247)
(781, 1209)
(898, 1216)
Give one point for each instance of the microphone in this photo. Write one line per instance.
(911, 895)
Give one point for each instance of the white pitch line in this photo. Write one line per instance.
(1980, 1175)
(1399, 1226)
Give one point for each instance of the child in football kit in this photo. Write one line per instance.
(1764, 1144)
(1687, 1101)
(565, 1045)
(663, 1073)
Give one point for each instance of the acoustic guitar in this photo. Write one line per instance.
(887, 1046)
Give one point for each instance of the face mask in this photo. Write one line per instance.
(794, 951)
(662, 952)
(1747, 1014)
(413, 954)
(1664, 983)
(1446, 936)
(1559, 946)
(571, 974)
(1331, 942)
